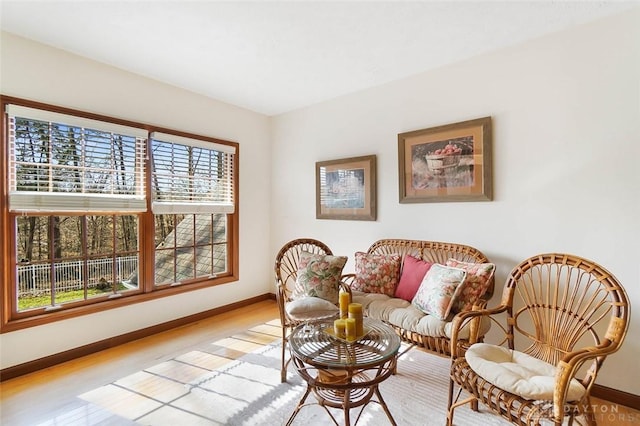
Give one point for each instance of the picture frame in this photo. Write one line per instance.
(346, 188)
(446, 163)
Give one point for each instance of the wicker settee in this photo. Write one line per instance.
(412, 324)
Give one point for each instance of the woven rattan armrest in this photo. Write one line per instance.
(472, 318)
(571, 362)
(567, 369)
(281, 297)
(345, 282)
(347, 279)
(345, 287)
(589, 352)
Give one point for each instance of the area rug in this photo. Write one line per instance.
(248, 392)
(236, 382)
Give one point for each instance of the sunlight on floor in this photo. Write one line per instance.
(186, 389)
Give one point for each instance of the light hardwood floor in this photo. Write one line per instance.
(36, 398)
(50, 397)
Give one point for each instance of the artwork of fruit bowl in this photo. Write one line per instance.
(444, 158)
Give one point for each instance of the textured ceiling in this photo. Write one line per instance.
(273, 57)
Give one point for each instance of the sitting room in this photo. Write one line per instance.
(170, 167)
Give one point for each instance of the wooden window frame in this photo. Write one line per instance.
(11, 320)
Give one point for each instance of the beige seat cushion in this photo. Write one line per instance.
(310, 308)
(517, 372)
(402, 313)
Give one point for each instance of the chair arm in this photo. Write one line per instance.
(281, 299)
(573, 361)
(346, 288)
(463, 318)
(347, 280)
(345, 284)
(280, 291)
(578, 357)
(568, 367)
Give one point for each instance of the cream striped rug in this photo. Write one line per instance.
(236, 381)
(248, 392)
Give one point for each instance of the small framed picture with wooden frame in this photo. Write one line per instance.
(346, 188)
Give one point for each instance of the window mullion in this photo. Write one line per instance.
(85, 256)
(50, 157)
(83, 160)
(52, 272)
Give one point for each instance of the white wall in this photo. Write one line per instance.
(37, 72)
(566, 127)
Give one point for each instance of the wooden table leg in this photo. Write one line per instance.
(300, 405)
(346, 407)
(384, 406)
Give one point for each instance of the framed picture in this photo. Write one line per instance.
(446, 163)
(346, 188)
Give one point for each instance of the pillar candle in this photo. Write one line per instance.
(350, 329)
(355, 312)
(345, 299)
(339, 328)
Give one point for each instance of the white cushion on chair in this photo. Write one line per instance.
(309, 308)
(517, 372)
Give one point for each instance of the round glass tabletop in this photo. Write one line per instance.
(316, 345)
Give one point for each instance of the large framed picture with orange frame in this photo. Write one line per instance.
(446, 163)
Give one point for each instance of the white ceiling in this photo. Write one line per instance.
(273, 57)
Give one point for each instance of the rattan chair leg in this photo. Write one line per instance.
(450, 399)
(471, 400)
(587, 414)
(474, 404)
(283, 368)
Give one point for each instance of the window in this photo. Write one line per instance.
(192, 195)
(67, 259)
(101, 213)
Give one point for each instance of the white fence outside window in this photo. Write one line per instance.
(36, 279)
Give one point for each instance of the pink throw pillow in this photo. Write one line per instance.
(413, 271)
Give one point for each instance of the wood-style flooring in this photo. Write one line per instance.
(51, 396)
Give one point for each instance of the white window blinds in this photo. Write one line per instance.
(191, 175)
(66, 163)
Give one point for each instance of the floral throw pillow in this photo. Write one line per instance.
(475, 286)
(413, 272)
(376, 273)
(438, 290)
(319, 276)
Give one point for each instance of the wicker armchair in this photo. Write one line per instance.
(564, 310)
(286, 270)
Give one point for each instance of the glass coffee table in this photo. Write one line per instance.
(343, 374)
